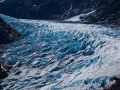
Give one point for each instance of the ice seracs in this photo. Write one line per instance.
(62, 56)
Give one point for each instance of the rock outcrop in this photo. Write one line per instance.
(115, 86)
(48, 9)
(4, 70)
(7, 34)
(107, 14)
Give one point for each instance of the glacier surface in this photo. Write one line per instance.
(79, 17)
(61, 56)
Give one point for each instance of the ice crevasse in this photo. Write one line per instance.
(61, 56)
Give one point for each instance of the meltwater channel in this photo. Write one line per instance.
(61, 56)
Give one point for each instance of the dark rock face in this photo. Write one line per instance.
(7, 34)
(48, 9)
(107, 14)
(115, 86)
(4, 70)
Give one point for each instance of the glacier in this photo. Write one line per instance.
(79, 18)
(61, 56)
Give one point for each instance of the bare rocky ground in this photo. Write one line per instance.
(115, 86)
(107, 14)
(7, 35)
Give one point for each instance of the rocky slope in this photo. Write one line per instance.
(4, 70)
(7, 34)
(48, 9)
(107, 14)
(115, 86)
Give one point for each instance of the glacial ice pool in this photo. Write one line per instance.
(61, 56)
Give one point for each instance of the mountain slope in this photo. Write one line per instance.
(7, 34)
(107, 14)
(48, 9)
